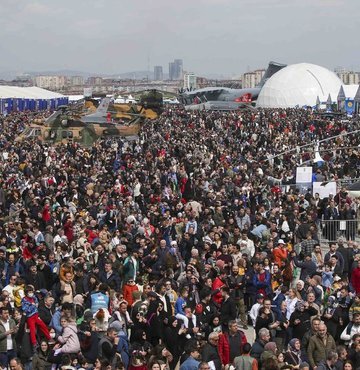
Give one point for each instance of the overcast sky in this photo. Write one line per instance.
(211, 36)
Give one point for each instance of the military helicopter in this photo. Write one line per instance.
(65, 126)
(149, 105)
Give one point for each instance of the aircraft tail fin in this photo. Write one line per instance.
(102, 108)
(271, 70)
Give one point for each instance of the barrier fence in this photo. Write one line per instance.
(331, 230)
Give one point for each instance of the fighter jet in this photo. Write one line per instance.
(225, 98)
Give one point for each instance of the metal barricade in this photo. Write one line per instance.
(332, 230)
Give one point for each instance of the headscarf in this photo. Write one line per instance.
(171, 320)
(299, 305)
(292, 344)
(301, 283)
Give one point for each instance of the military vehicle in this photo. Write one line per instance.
(65, 127)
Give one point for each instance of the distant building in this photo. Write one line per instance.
(348, 77)
(51, 82)
(252, 79)
(190, 81)
(76, 80)
(95, 81)
(176, 69)
(158, 73)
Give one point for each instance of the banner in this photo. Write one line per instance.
(324, 189)
(349, 107)
(303, 175)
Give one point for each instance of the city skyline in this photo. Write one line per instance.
(225, 37)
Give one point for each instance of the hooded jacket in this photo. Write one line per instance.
(69, 339)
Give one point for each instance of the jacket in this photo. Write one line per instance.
(279, 255)
(317, 350)
(257, 349)
(216, 285)
(264, 285)
(45, 313)
(130, 268)
(29, 306)
(224, 346)
(113, 280)
(211, 353)
(300, 329)
(307, 268)
(69, 339)
(128, 293)
(189, 364)
(324, 366)
(107, 349)
(55, 321)
(40, 362)
(12, 325)
(245, 362)
(228, 311)
(355, 280)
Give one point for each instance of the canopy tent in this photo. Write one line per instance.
(13, 98)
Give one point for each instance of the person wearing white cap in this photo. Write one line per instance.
(280, 253)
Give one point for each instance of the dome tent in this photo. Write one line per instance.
(299, 85)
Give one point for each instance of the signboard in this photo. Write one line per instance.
(325, 189)
(303, 175)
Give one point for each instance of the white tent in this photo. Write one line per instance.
(32, 92)
(13, 98)
(299, 85)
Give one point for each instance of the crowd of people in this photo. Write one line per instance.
(190, 247)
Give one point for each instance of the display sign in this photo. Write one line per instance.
(303, 175)
(324, 189)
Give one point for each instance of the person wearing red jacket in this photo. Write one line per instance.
(355, 278)
(128, 290)
(280, 253)
(231, 343)
(217, 284)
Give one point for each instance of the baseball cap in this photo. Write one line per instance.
(260, 296)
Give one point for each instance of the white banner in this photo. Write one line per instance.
(303, 175)
(324, 190)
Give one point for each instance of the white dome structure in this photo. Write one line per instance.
(299, 85)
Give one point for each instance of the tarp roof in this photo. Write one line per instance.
(32, 92)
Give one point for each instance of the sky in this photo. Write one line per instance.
(225, 37)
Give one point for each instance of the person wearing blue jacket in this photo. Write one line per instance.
(262, 281)
(29, 306)
(180, 304)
